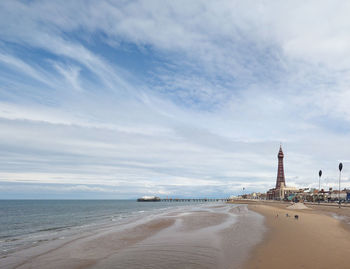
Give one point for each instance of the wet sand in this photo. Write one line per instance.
(315, 240)
(204, 237)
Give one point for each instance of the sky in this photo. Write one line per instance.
(121, 99)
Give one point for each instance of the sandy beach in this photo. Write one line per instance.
(205, 236)
(315, 240)
(253, 235)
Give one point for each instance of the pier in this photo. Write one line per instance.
(194, 200)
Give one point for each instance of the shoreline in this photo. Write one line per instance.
(235, 235)
(206, 236)
(315, 240)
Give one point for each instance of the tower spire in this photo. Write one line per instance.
(280, 172)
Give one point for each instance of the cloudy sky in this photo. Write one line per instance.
(120, 99)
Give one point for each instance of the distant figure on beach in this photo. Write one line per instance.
(287, 215)
(296, 217)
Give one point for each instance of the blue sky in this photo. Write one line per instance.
(120, 99)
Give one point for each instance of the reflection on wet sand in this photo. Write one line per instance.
(204, 236)
(214, 237)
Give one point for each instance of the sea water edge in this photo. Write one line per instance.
(29, 223)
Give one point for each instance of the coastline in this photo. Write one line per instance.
(202, 236)
(315, 240)
(244, 235)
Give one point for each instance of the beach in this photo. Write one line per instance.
(212, 235)
(319, 238)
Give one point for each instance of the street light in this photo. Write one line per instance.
(319, 184)
(340, 168)
(319, 179)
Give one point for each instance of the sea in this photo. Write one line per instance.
(26, 223)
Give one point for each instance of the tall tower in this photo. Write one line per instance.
(280, 172)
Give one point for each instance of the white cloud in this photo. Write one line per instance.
(71, 74)
(231, 80)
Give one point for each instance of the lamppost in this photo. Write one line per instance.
(340, 168)
(319, 184)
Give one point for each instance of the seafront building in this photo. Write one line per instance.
(282, 192)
